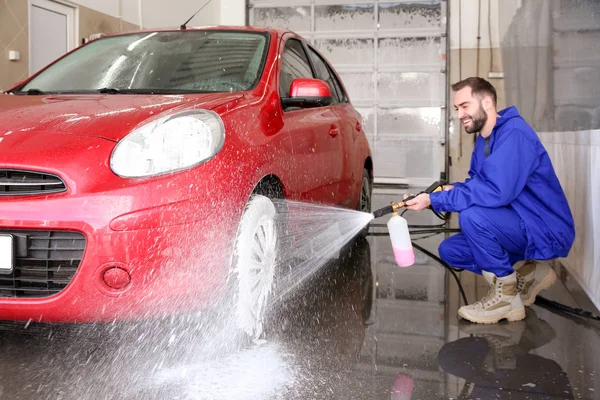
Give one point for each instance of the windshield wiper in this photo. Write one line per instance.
(29, 92)
(109, 90)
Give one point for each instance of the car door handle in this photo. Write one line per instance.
(334, 131)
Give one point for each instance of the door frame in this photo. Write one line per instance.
(61, 7)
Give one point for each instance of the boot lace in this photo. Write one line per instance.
(491, 296)
(520, 283)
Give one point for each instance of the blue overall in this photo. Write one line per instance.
(512, 206)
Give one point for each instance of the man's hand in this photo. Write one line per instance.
(419, 203)
(445, 188)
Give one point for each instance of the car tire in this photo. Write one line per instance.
(254, 264)
(364, 201)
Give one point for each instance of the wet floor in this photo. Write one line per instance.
(360, 328)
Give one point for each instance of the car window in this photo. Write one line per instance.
(177, 61)
(324, 74)
(343, 97)
(294, 64)
(338, 86)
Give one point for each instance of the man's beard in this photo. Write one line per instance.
(478, 121)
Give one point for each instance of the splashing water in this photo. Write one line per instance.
(315, 234)
(281, 243)
(256, 373)
(194, 357)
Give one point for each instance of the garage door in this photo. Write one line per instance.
(391, 57)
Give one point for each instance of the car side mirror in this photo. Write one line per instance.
(307, 92)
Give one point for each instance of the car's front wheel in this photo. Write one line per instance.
(364, 203)
(254, 264)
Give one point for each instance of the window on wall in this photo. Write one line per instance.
(294, 64)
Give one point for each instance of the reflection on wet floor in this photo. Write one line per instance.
(499, 362)
(360, 328)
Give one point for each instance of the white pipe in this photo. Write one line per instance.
(140, 14)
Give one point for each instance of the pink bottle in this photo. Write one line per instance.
(400, 237)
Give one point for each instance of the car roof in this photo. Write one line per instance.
(273, 30)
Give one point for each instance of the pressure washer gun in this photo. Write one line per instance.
(398, 228)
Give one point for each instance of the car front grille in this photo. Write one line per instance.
(21, 183)
(44, 262)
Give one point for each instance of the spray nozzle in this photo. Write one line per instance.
(394, 207)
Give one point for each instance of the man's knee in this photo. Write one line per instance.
(471, 217)
(445, 250)
(450, 252)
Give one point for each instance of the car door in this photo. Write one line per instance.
(350, 126)
(314, 134)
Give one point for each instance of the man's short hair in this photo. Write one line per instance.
(479, 87)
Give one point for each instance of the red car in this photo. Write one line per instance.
(138, 172)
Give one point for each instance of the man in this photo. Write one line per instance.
(511, 208)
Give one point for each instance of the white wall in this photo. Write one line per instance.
(114, 8)
(110, 7)
(468, 11)
(131, 10)
(171, 13)
(233, 12)
(576, 159)
(159, 14)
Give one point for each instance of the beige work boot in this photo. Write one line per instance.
(533, 277)
(502, 301)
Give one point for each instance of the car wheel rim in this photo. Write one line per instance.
(365, 196)
(256, 269)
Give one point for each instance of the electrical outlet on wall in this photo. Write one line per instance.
(14, 55)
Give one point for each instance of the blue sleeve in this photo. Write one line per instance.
(502, 177)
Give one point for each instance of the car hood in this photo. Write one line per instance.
(110, 117)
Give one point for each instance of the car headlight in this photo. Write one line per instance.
(169, 144)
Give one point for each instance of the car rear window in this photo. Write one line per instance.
(173, 61)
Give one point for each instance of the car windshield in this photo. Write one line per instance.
(158, 62)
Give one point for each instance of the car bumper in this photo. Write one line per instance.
(174, 257)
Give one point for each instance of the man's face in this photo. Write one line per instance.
(470, 110)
